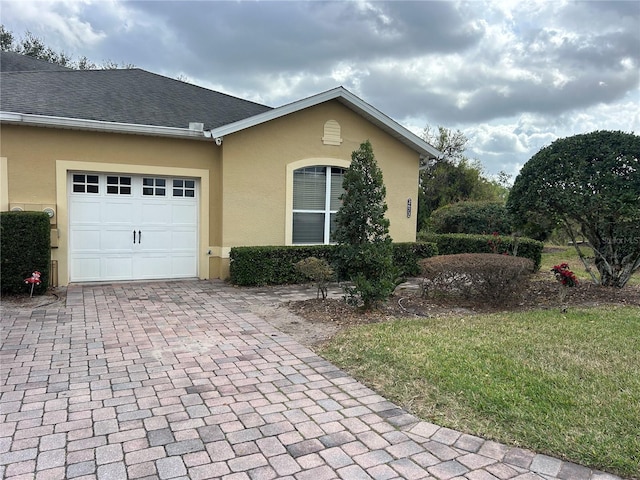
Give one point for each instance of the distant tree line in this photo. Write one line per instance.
(36, 47)
(454, 177)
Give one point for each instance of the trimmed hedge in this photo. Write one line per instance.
(253, 266)
(487, 277)
(472, 218)
(406, 256)
(454, 243)
(25, 246)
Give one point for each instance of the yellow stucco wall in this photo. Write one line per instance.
(39, 159)
(246, 183)
(4, 185)
(255, 172)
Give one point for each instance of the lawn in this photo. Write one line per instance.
(567, 385)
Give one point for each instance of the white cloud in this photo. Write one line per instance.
(496, 139)
(60, 22)
(512, 75)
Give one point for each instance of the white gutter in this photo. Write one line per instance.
(97, 125)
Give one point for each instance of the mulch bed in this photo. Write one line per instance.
(541, 293)
(51, 297)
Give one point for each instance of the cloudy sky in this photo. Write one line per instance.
(511, 75)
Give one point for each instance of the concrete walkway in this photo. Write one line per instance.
(178, 380)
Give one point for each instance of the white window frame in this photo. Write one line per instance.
(157, 190)
(85, 183)
(119, 186)
(310, 162)
(183, 188)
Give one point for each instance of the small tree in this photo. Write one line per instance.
(592, 182)
(318, 271)
(362, 231)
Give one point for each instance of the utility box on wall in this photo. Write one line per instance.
(48, 208)
(54, 238)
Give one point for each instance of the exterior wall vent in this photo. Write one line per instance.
(331, 133)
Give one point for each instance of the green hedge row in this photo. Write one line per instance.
(472, 218)
(272, 265)
(454, 243)
(25, 246)
(251, 266)
(406, 256)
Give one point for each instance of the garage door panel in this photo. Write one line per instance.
(86, 212)
(183, 240)
(119, 213)
(85, 240)
(156, 240)
(118, 267)
(183, 265)
(117, 240)
(155, 213)
(153, 266)
(86, 269)
(182, 215)
(102, 226)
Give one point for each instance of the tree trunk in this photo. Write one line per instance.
(618, 277)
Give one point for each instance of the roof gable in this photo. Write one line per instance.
(348, 99)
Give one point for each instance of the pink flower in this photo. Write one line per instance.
(34, 278)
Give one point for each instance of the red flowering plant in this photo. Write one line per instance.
(565, 276)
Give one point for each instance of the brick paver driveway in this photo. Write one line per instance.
(171, 380)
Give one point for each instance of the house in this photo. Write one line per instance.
(147, 177)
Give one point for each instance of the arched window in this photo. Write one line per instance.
(316, 192)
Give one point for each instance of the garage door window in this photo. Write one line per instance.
(184, 188)
(118, 185)
(130, 186)
(85, 184)
(154, 187)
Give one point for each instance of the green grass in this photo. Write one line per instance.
(570, 256)
(567, 385)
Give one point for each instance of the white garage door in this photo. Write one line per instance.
(127, 227)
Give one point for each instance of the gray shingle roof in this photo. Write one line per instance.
(14, 62)
(126, 96)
